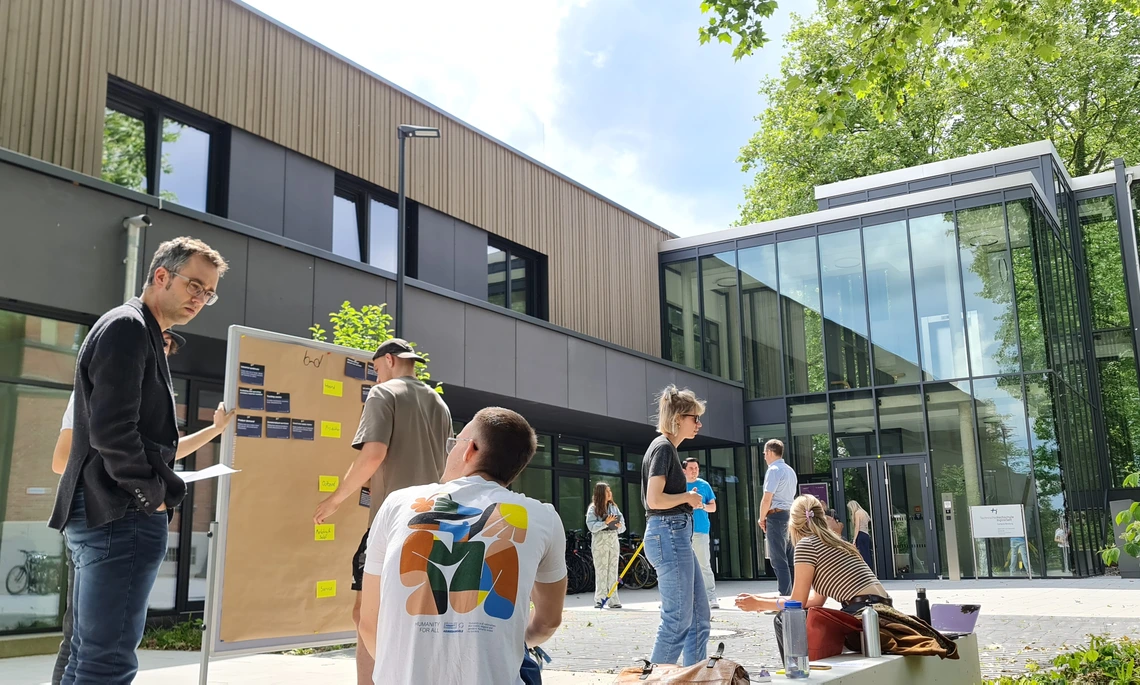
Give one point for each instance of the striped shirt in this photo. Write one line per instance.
(839, 574)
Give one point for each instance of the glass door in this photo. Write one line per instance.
(896, 495)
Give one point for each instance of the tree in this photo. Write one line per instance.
(871, 63)
(365, 329)
(124, 152)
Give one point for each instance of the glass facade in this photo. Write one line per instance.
(948, 349)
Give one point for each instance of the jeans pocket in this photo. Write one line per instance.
(653, 549)
(677, 523)
(91, 545)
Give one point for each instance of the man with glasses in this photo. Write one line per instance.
(402, 434)
(118, 490)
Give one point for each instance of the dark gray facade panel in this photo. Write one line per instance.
(1008, 168)
(257, 182)
(763, 412)
(928, 183)
(334, 283)
(657, 377)
(883, 218)
(435, 324)
(927, 210)
(587, 372)
(716, 248)
(737, 415)
(972, 175)
(489, 351)
(541, 364)
(699, 385)
(887, 191)
(470, 260)
(279, 294)
(836, 226)
(625, 386)
(64, 245)
(213, 321)
(978, 201)
(679, 255)
(848, 199)
(390, 297)
(721, 418)
(309, 189)
(435, 245)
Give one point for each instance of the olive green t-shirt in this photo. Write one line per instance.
(414, 422)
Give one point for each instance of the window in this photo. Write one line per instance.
(156, 146)
(515, 278)
(365, 223)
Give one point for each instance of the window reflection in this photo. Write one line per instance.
(496, 276)
(721, 320)
(520, 285)
(383, 226)
(953, 460)
(682, 339)
(987, 283)
(809, 449)
(891, 303)
(1025, 287)
(900, 421)
(803, 325)
(185, 165)
(762, 364)
(853, 422)
(346, 228)
(939, 297)
(732, 523)
(124, 150)
(844, 311)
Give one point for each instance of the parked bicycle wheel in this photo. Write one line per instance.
(17, 581)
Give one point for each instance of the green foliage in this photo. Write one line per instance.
(1131, 519)
(183, 637)
(124, 152)
(871, 62)
(365, 329)
(1102, 662)
(957, 97)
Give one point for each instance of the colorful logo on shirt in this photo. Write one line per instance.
(480, 565)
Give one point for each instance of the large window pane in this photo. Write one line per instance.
(722, 321)
(953, 460)
(891, 304)
(1120, 401)
(536, 483)
(853, 420)
(809, 449)
(1025, 284)
(39, 349)
(572, 495)
(346, 228)
(682, 334)
(901, 428)
(521, 284)
(124, 150)
(939, 297)
(1103, 262)
(542, 453)
(383, 227)
(731, 524)
(1006, 467)
(496, 276)
(185, 165)
(605, 459)
(1047, 476)
(803, 325)
(571, 454)
(204, 496)
(634, 512)
(762, 365)
(29, 424)
(845, 332)
(986, 280)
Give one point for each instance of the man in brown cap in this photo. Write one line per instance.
(402, 441)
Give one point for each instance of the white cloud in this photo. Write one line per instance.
(496, 67)
(598, 59)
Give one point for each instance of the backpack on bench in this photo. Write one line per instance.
(716, 671)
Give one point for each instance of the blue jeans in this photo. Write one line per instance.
(115, 568)
(780, 551)
(684, 625)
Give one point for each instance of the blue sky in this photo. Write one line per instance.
(616, 94)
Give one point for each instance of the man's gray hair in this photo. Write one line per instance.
(174, 254)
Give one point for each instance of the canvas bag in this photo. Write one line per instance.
(716, 671)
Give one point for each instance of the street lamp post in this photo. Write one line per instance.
(403, 132)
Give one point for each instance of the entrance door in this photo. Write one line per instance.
(896, 494)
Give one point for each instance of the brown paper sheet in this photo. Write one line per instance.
(272, 561)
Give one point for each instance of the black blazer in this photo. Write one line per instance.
(125, 434)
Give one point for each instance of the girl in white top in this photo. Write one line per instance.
(605, 548)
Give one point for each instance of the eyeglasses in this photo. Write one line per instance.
(452, 442)
(696, 418)
(165, 341)
(196, 289)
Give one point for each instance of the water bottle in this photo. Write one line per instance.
(871, 647)
(922, 606)
(795, 640)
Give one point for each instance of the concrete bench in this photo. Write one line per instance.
(855, 669)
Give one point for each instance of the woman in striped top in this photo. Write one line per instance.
(827, 566)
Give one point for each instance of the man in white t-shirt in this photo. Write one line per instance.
(459, 562)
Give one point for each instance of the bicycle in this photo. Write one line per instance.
(641, 576)
(38, 575)
(579, 563)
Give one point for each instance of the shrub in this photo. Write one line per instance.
(1102, 662)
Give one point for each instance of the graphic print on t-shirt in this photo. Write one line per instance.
(460, 558)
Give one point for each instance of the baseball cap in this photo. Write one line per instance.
(398, 347)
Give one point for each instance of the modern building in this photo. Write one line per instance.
(932, 330)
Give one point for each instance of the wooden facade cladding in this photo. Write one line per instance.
(222, 59)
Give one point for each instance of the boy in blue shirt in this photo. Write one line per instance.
(701, 525)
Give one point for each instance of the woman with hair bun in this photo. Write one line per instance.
(826, 566)
(684, 628)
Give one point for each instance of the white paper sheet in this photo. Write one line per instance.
(209, 472)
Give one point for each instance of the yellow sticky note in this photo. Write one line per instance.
(330, 429)
(326, 588)
(334, 388)
(324, 531)
(329, 483)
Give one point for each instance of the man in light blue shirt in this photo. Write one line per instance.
(780, 484)
(701, 526)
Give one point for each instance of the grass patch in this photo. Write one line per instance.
(182, 637)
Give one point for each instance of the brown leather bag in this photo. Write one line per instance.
(717, 671)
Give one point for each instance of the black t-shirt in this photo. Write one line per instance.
(661, 459)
